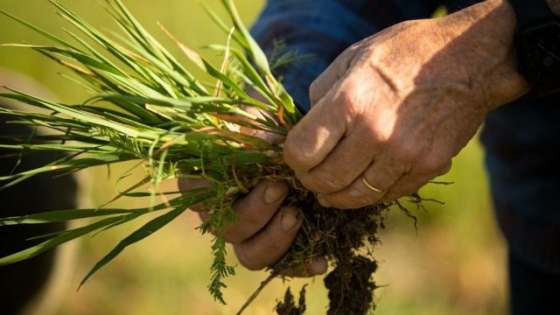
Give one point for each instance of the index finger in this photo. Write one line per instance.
(316, 134)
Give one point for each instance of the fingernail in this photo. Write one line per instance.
(273, 194)
(322, 201)
(289, 219)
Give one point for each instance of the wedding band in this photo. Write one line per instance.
(371, 187)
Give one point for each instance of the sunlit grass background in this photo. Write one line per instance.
(454, 263)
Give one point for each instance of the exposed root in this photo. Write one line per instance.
(346, 238)
(340, 236)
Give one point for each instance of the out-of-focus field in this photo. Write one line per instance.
(453, 263)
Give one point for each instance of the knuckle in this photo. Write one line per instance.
(406, 155)
(324, 182)
(352, 107)
(296, 155)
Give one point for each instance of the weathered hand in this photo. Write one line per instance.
(398, 106)
(265, 229)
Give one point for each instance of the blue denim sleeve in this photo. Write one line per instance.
(321, 29)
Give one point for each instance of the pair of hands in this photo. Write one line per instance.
(393, 109)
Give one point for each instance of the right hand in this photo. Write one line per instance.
(391, 112)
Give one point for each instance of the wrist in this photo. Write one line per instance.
(488, 29)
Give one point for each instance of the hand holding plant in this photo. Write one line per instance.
(147, 106)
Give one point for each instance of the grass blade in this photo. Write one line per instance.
(143, 232)
(62, 216)
(57, 240)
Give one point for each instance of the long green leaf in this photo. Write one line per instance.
(62, 216)
(138, 235)
(248, 42)
(55, 241)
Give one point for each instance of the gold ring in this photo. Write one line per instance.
(371, 187)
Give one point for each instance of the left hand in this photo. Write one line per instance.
(396, 107)
(265, 228)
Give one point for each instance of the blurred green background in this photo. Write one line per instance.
(454, 263)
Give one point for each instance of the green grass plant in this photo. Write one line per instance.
(149, 107)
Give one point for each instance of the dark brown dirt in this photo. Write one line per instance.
(346, 238)
(289, 307)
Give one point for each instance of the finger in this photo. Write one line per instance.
(341, 116)
(255, 210)
(411, 183)
(317, 265)
(314, 136)
(362, 193)
(271, 243)
(344, 164)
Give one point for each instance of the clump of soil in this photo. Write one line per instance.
(346, 238)
(289, 306)
(350, 286)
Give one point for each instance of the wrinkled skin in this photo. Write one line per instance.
(397, 107)
(261, 237)
(394, 108)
